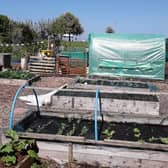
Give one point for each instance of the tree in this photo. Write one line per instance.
(43, 29)
(67, 24)
(109, 30)
(22, 33)
(4, 28)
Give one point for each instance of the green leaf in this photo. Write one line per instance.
(164, 140)
(32, 154)
(31, 141)
(136, 130)
(13, 135)
(106, 132)
(109, 133)
(7, 148)
(137, 135)
(84, 130)
(20, 146)
(9, 160)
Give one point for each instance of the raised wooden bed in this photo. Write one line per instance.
(133, 103)
(112, 152)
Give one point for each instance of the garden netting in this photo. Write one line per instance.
(127, 55)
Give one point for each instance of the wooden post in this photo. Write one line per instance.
(70, 155)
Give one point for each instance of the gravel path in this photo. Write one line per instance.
(7, 93)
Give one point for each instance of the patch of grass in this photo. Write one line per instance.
(13, 74)
(74, 45)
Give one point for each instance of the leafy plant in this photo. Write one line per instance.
(163, 140)
(84, 130)
(10, 150)
(13, 135)
(109, 133)
(6, 149)
(9, 160)
(137, 133)
(15, 74)
(32, 154)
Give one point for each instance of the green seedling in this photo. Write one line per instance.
(109, 133)
(71, 132)
(164, 140)
(137, 133)
(84, 130)
(152, 139)
(61, 129)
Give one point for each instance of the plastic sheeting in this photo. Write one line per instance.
(166, 56)
(75, 55)
(129, 55)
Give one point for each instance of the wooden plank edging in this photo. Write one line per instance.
(106, 142)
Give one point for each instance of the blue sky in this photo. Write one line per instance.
(125, 16)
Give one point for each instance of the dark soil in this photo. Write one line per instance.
(113, 83)
(125, 96)
(109, 130)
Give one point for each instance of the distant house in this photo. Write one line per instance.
(66, 37)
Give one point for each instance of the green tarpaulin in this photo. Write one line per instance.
(129, 55)
(75, 55)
